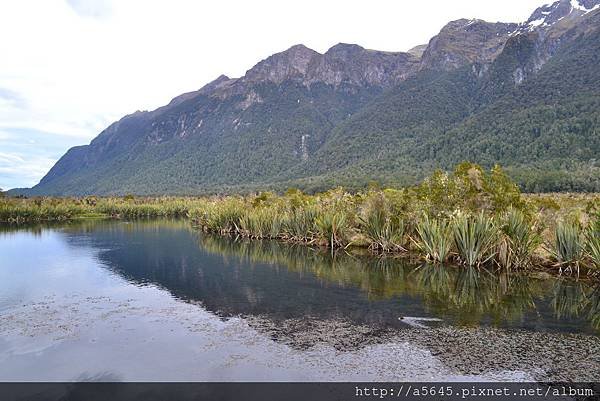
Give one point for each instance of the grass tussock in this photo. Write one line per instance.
(476, 238)
(520, 239)
(434, 239)
(568, 249)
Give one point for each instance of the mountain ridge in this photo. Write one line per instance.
(347, 116)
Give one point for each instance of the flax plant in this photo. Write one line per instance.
(434, 238)
(476, 238)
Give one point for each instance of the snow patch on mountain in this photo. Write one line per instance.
(576, 5)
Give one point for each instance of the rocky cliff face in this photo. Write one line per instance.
(300, 113)
(465, 42)
(347, 64)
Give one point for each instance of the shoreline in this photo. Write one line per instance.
(539, 268)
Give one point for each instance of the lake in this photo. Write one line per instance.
(159, 300)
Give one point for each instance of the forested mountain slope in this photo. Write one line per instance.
(526, 96)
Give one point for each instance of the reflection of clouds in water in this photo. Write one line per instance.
(118, 308)
(99, 377)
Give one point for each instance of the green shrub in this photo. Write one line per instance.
(299, 224)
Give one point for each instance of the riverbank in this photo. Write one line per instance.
(470, 217)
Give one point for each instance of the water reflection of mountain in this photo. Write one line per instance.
(268, 278)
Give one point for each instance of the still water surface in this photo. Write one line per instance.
(157, 300)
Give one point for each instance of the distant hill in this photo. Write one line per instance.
(526, 96)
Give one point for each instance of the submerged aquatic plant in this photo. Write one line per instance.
(476, 238)
(521, 239)
(434, 238)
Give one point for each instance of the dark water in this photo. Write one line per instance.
(238, 277)
(82, 287)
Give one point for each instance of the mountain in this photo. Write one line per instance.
(524, 95)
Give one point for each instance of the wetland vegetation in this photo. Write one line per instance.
(469, 217)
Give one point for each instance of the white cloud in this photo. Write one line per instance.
(15, 170)
(91, 8)
(78, 65)
(10, 158)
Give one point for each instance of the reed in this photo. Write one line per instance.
(446, 218)
(261, 223)
(39, 209)
(221, 216)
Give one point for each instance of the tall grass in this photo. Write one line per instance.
(332, 227)
(220, 216)
(384, 232)
(261, 223)
(568, 247)
(434, 238)
(39, 209)
(447, 219)
(592, 243)
(476, 238)
(520, 240)
(299, 224)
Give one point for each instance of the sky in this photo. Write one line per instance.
(69, 68)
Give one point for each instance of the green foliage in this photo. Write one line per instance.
(468, 188)
(476, 238)
(521, 239)
(568, 244)
(219, 215)
(434, 238)
(300, 224)
(384, 230)
(39, 209)
(261, 223)
(470, 216)
(592, 242)
(333, 228)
